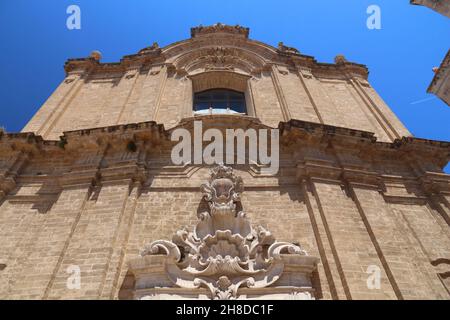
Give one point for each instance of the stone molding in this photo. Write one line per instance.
(352, 151)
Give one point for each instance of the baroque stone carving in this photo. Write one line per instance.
(224, 253)
(340, 59)
(219, 27)
(153, 48)
(287, 50)
(220, 59)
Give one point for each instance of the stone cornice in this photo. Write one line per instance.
(27, 141)
(362, 145)
(324, 130)
(80, 65)
(434, 182)
(404, 143)
(445, 64)
(139, 138)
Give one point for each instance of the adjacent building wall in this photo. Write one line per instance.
(441, 6)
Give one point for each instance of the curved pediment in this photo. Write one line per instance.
(225, 36)
(220, 47)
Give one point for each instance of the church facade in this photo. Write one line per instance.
(93, 207)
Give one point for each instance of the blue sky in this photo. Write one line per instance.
(400, 56)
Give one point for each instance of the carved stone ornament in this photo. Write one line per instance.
(224, 257)
(219, 59)
(153, 48)
(340, 59)
(287, 50)
(219, 27)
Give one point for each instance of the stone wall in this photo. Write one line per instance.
(97, 209)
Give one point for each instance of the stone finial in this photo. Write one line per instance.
(340, 59)
(435, 69)
(96, 55)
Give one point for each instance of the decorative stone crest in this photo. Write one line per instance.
(219, 27)
(340, 59)
(153, 48)
(224, 254)
(287, 50)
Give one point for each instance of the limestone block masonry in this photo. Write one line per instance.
(89, 182)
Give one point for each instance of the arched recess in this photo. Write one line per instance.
(224, 80)
(219, 67)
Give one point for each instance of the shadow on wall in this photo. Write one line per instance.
(127, 288)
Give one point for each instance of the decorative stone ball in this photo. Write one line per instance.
(97, 55)
(339, 59)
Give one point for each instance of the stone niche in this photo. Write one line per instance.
(224, 257)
